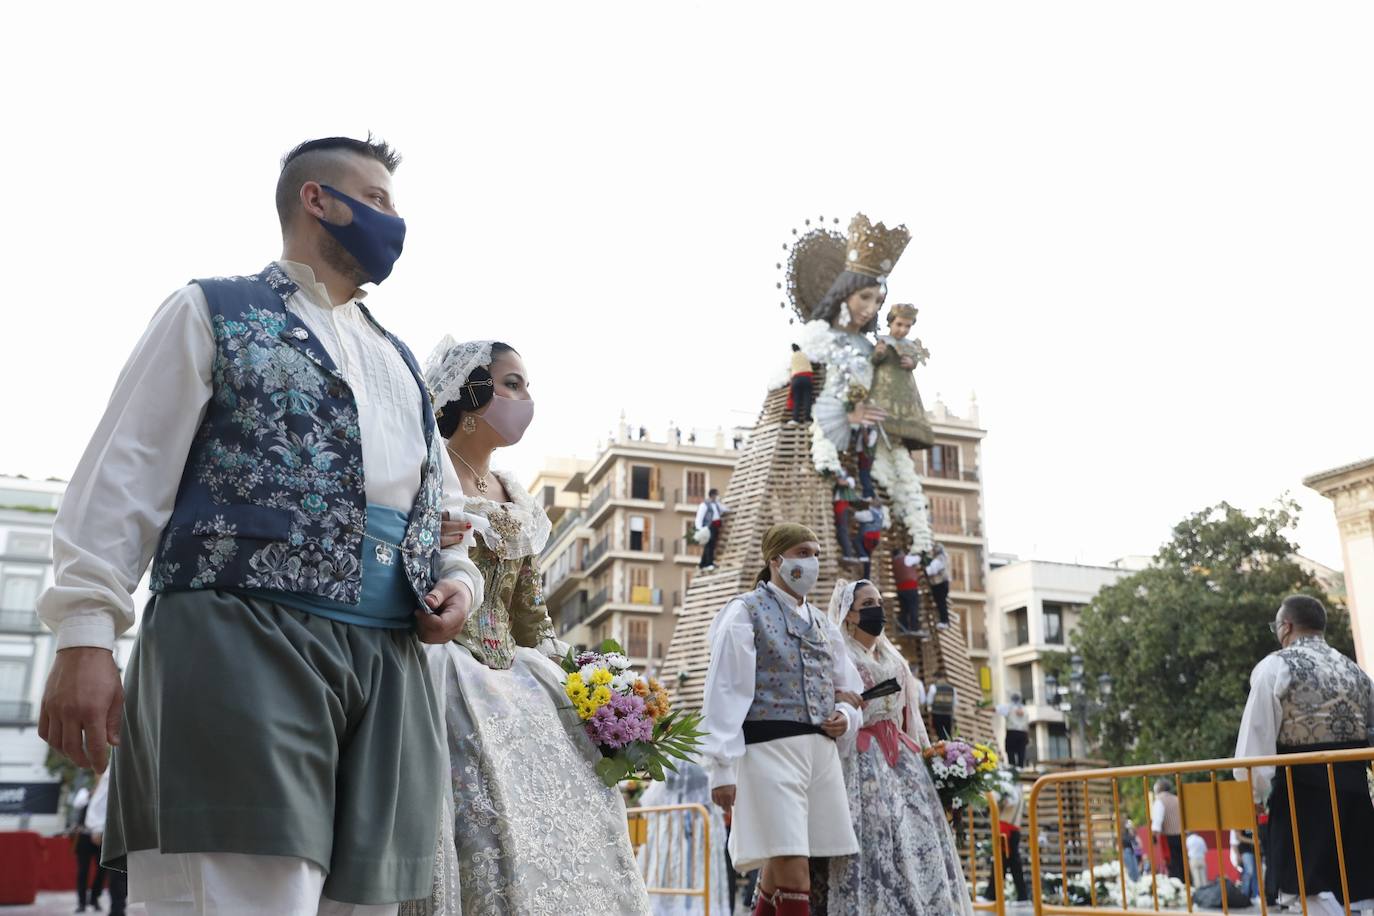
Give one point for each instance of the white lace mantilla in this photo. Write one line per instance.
(450, 364)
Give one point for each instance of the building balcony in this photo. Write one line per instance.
(17, 714)
(599, 552)
(641, 548)
(25, 623)
(686, 551)
(957, 527)
(636, 599)
(556, 587)
(565, 524)
(966, 475)
(611, 496)
(687, 500)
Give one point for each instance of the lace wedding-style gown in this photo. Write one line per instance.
(909, 863)
(531, 830)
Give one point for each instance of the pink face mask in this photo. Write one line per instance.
(509, 417)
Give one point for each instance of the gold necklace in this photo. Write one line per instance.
(480, 478)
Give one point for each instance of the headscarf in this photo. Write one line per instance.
(781, 538)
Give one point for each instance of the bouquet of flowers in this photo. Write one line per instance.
(963, 773)
(628, 716)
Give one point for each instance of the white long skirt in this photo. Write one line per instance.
(536, 833)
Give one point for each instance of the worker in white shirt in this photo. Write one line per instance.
(1018, 729)
(710, 515)
(937, 574)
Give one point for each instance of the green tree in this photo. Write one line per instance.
(1181, 637)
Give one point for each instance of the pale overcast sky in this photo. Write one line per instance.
(1142, 232)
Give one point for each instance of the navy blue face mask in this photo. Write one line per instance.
(373, 238)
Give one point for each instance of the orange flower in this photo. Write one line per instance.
(640, 689)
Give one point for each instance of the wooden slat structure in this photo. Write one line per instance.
(774, 481)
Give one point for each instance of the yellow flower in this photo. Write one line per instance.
(577, 693)
(575, 679)
(601, 676)
(585, 710)
(601, 696)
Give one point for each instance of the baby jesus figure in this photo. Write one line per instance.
(894, 384)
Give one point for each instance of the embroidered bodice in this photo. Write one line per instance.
(508, 539)
(874, 668)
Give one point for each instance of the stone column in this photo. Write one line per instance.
(1351, 491)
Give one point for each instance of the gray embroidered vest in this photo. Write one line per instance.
(1327, 700)
(793, 663)
(273, 496)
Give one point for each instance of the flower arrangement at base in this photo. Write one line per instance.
(963, 773)
(629, 717)
(1105, 879)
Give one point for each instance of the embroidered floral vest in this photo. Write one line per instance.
(273, 495)
(1327, 700)
(792, 680)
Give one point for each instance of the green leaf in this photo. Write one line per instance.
(611, 770)
(610, 645)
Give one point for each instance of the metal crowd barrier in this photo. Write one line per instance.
(998, 904)
(1205, 806)
(672, 844)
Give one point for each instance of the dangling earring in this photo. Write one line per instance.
(846, 319)
(469, 424)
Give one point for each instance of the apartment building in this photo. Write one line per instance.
(618, 564)
(953, 485)
(1034, 607)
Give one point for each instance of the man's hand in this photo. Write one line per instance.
(907, 363)
(836, 725)
(724, 797)
(82, 705)
(880, 350)
(853, 699)
(451, 602)
(453, 533)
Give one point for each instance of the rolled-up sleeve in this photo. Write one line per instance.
(124, 489)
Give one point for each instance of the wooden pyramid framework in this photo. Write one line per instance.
(774, 481)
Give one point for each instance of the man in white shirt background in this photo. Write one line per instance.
(271, 449)
(1166, 823)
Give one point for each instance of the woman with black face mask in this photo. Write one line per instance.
(907, 861)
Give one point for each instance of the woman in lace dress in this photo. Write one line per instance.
(907, 862)
(534, 831)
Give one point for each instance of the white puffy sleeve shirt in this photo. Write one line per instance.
(730, 683)
(124, 488)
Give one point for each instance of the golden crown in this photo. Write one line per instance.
(874, 250)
